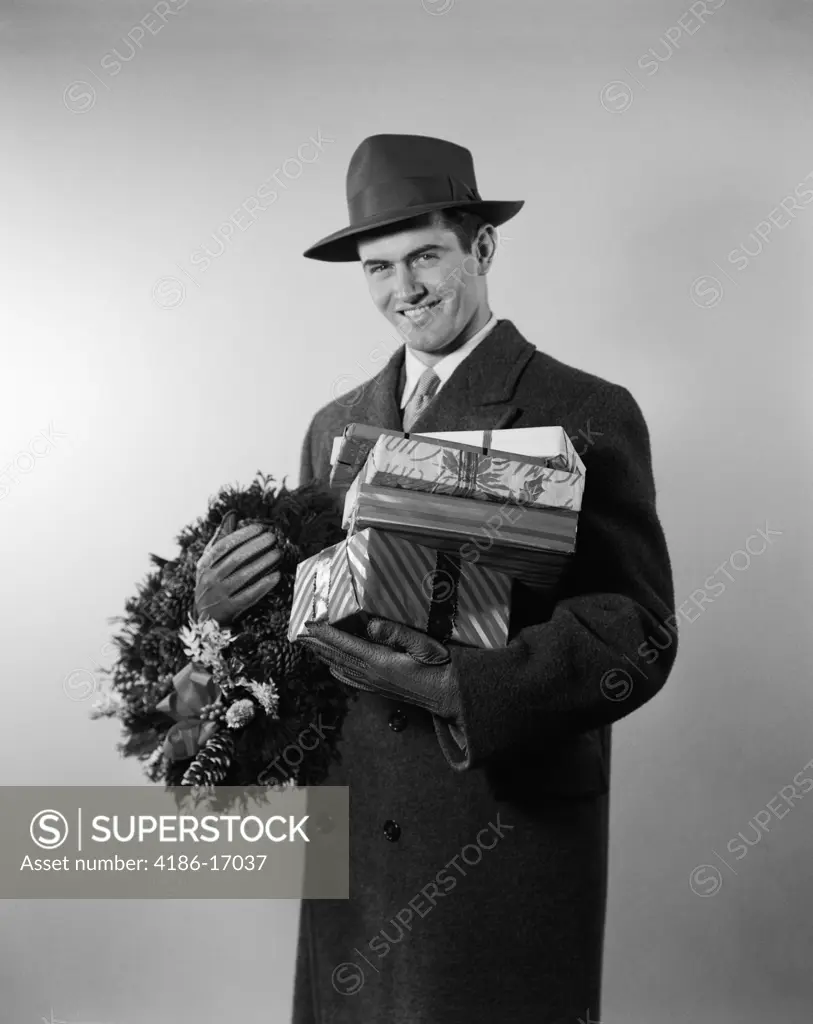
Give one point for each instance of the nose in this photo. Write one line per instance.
(407, 289)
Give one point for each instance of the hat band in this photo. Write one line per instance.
(400, 194)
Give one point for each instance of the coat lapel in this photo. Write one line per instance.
(479, 394)
(378, 404)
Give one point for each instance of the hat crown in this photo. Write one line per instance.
(381, 159)
(396, 178)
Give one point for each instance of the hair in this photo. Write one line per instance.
(463, 223)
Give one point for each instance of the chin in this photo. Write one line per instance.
(430, 344)
(430, 339)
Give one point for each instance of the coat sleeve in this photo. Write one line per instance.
(584, 667)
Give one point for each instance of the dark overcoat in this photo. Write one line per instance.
(478, 876)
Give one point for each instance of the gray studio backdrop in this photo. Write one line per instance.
(664, 150)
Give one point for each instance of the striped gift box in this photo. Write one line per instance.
(377, 574)
(538, 569)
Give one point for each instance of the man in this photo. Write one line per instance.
(479, 779)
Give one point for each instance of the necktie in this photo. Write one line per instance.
(421, 397)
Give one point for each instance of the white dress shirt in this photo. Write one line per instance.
(444, 367)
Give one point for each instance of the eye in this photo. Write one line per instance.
(427, 256)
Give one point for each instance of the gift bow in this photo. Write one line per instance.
(192, 689)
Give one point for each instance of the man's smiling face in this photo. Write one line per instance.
(427, 286)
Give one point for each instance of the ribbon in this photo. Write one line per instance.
(395, 195)
(468, 466)
(192, 689)
(445, 592)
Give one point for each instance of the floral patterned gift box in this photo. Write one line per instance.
(547, 447)
(445, 467)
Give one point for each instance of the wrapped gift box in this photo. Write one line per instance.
(446, 467)
(350, 450)
(528, 544)
(541, 446)
(377, 574)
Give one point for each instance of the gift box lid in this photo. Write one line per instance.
(544, 446)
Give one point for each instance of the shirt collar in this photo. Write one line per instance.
(444, 367)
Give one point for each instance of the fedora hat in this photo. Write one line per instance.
(392, 178)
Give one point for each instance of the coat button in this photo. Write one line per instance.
(398, 720)
(392, 830)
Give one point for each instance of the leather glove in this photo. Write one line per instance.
(400, 663)
(233, 573)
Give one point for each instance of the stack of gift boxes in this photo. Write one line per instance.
(439, 526)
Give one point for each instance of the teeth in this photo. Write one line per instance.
(419, 313)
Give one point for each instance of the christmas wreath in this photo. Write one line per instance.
(203, 706)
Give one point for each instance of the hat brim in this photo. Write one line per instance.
(340, 247)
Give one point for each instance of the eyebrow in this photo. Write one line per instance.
(409, 256)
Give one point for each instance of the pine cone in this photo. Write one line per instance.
(212, 762)
(280, 659)
(278, 615)
(151, 643)
(171, 605)
(171, 651)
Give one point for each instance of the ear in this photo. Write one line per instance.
(485, 247)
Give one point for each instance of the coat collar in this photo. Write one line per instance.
(478, 395)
